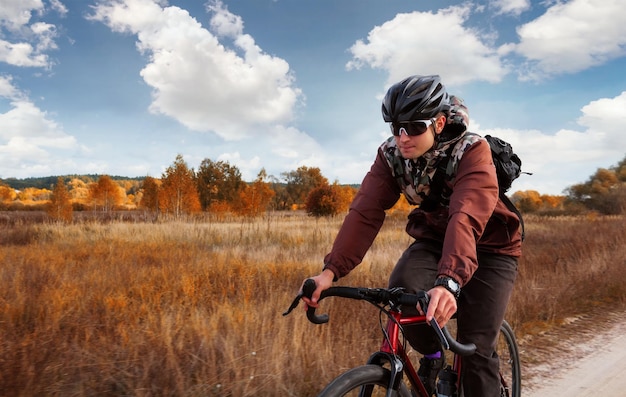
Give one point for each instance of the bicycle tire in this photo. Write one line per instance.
(350, 383)
(510, 365)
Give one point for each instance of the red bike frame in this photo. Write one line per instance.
(391, 345)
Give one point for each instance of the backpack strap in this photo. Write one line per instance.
(509, 204)
(439, 189)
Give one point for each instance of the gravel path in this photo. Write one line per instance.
(584, 357)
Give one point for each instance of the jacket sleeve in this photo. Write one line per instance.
(473, 200)
(378, 192)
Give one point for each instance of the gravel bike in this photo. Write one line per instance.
(383, 373)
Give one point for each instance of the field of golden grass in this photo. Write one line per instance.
(195, 308)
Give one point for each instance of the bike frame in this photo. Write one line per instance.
(393, 352)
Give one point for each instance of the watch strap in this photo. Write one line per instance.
(450, 284)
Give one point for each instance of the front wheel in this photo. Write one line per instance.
(366, 380)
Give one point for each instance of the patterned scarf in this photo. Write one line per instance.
(414, 176)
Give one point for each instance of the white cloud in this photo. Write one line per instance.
(512, 7)
(572, 36)
(23, 43)
(28, 135)
(197, 79)
(430, 43)
(14, 14)
(59, 7)
(607, 117)
(8, 90)
(569, 156)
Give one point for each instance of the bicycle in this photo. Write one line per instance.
(382, 375)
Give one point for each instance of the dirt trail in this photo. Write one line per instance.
(586, 357)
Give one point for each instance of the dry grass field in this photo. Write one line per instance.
(195, 308)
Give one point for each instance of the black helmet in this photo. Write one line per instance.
(415, 98)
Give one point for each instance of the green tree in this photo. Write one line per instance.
(280, 201)
(60, 207)
(178, 194)
(301, 182)
(218, 182)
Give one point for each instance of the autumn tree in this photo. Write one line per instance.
(178, 194)
(150, 194)
(527, 201)
(323, 201)
(7, 193)
(33, 194)
(345, 195)
(254, 199)
(604, 191)
(106, 194)
(301, 182)
(79, 190)
(60, 207)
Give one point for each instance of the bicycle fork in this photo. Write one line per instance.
(394, 353)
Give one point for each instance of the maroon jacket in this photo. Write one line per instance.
(476, 219)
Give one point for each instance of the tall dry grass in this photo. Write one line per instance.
(191, 309)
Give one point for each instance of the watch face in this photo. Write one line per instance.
(453, 285)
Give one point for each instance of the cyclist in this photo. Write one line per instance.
(466, 246)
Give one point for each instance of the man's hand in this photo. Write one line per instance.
(441, 307)
(323, 281)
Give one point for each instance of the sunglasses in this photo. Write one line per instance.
(411, 128)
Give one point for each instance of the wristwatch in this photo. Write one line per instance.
(450, 284)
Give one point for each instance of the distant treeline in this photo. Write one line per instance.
(48, 182)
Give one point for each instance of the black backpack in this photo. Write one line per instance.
(508, 168)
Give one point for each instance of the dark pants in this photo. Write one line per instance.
(481, 309)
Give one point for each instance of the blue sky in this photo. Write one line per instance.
(121, 87)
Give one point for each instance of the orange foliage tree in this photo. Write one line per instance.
(254, 199)
(178, 194)
(106, 194)
(605, 191)
(345, 194)
(150, 194)
(60, 207)
(7, 194)
(531, 201)
(79, 190)
(33, 194)
(322, 201)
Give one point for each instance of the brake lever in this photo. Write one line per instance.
(307, 290)
(434, 324)
(442, 338)
(294, 304)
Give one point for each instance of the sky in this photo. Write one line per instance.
(121, 87)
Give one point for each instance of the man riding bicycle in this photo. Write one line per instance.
(467, 242)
